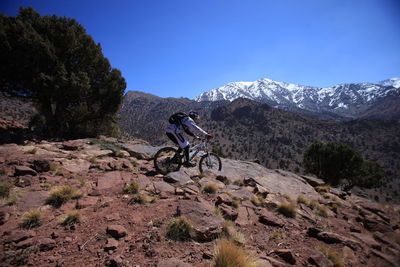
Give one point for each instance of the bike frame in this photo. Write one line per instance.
(198, 148)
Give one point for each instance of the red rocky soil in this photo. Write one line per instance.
(117, 231)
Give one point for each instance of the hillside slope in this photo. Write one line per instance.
(117, 228)
(248, 130)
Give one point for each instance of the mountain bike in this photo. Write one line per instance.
(168, 159)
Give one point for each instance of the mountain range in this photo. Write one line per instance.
(249, 130)
(338, 102)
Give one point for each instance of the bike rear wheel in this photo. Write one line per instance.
(210, 161)
(167, 160)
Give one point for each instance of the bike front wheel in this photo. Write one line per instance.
(210, 161)
(167, 160)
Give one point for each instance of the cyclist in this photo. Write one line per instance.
(185, 123)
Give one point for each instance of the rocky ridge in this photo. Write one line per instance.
(118, 228)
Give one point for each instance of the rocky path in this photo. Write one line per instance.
(119, 211)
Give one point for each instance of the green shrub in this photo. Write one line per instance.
(339, 163)
(61, 194)
(288, 209)
(31, 219)
(180, 229)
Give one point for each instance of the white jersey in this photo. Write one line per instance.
(188, 122)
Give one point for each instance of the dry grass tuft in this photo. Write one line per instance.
(229, 232)
(288, 209)
(142, 199)
(209, 188)
(257, 200)
(5, 189)
(303, 199)
(323, 189)
(61, 194)
(32, 151)
(180, 229)
(131, 188)
(31, 219)
(71, 218)
(335, 258)
(322, 211)
(227, 254)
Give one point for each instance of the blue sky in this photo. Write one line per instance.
(185, 47)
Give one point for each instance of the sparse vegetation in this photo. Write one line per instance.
(134, 162)
(31, 219)
(288, 209)
(323, 189)
(32, 151)
(142, 199)
(93, 160)
(157, 223)
(5, 188)
(53, 166)
(303, 199)
(335, 258)
(312, 204)
(277, 235)
(82, 181)
(257, 200)
(209, 188)
(3, 171)
(322, 211)
(227, 254)
(12, 199)
(229, 232)
(238, 182)
(120, 154)
(287, 196)
(131, 188)
(180, 229)
(236, 203)
(46, 186)
(71, 218)
(61, 194)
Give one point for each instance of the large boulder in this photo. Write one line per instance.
(179, 178)
(277, 181)
(206, 224)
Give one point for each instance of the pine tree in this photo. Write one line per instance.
(55, 62)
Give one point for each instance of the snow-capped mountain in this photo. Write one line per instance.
(347, 100)
(395, 82)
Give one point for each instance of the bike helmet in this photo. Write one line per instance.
(194, 115)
